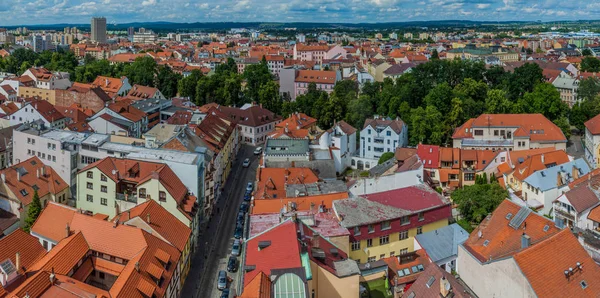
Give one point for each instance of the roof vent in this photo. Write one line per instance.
(334, 251)
(264, 244)
(318, 253)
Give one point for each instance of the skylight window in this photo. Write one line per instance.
(486, 242)
(430, 281)
(583, 284)
(546, 228)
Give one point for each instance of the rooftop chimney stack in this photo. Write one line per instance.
(148, 218)
(444, 287)
(525, 241)
(52, 276)
(137, 266)
(316, 239)
(18, 260)
(67, 231)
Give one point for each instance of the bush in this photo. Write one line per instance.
(385, 157)
(465, 225)
(364, 174)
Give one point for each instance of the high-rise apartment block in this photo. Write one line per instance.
(99, 29)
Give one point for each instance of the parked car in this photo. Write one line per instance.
(247, 197)
(232, 264)
(240, 216)
(238, 232)
(222, 280)
(249, 187)
(225, 293)
(258, 151)
(236, 248)
(244, 207)
(246, 163)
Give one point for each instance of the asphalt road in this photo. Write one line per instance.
(216, 239)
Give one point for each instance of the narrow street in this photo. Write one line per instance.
(216, 238)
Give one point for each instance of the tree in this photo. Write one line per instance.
(587, 52)
(269, 97)
(590, 64)
(166, 81)
(544, 99)
(496, 102)
(256, 76)
(563, 123)
(588, 88)
(435, 54)
(187, 86)
(523, 80)
(475, 202)
(385, 157)
(141, 71)
(35, 207)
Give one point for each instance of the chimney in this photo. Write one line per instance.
(316, 239)
(3, 176)
(137, 266)
(52, 276)
(18, 260)
(148, 218)
(294, 217)
(38, 173)
(542, 158)
(43, 171)
(444, 287)
(67, 231)
(18, 175)
(575, 173)
(525, 241)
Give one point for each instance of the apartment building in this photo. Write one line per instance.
(380, 135)
(254, 122)
(324, 80)
(40, 112)
(384, 224)
(509, 132)
(45, 79)
(303, 52)
(592, 141)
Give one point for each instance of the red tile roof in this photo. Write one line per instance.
(54, 227)
(272, 181)
(22, 180)
(395, 124)
(47, 110)
(504, 240)
(421, 289)
(593, 125)
(316, 76)
(413, 198)
(429, 154)
(258, 287)
(28, 247)
(539, 162)
(544, 266)
(536, 126)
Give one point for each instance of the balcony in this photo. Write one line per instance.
(132, 198)
(378, 140)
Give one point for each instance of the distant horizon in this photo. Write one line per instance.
(52, 12)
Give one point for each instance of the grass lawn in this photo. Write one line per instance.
(377, 289)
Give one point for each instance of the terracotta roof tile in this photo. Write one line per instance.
(28, 247)
(539, 162)
(544, 265)
(498, 239)
(420, 287)
(258, 287)
(316, 76)
(538, 127)
(53, 222)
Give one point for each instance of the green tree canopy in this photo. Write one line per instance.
(590, 63)
(385, 157)
(475, 202)
(33, 211)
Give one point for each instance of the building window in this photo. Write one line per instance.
(478, 132)
(469, 176)
(142, 193)
(421, 216)
(103, 188)
(162, 196)
(382, 256)
(90, 185)
(384, 239)
(102, 178)
(368, 131)
(370, 259)
(404, 220)
(356, 231)
(385, 225)
(371, 229)
(403, 251)
(392, 253)
(389, 133)
(90, 198)
(103, 201)
(355, 245)
(369, 242)
(419, 230)
(403, 235)
(90, 174)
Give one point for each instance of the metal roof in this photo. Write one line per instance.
(443, 242)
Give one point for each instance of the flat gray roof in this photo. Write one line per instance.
(313, 189)
(65, 136)
(286, 147)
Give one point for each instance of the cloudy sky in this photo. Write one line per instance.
(27, 12)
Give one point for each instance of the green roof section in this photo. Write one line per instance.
(306, 264)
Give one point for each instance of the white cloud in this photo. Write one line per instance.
(148, 2)
(483, 5)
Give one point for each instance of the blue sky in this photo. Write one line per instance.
(24, 12)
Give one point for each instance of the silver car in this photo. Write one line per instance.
(236, 248)
(246, 163)
(222, 280)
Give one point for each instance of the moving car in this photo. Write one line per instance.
(236, 248)
(232, 264)
(258, 151)
(249, 187)
(222, 280)
(246, 163)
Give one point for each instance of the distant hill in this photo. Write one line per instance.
(163, 26)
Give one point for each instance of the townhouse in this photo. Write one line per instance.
(120, 118)
(254, 122)
(567, 86)
(85, 258)
(384, 224)
(436, 282)
(573, 207)
(20, 182)
(293, 259)
(380, 135)
(341, 140)
(294, 189)
(543, 187)
(509, 132)
(6, 146)
(113, 86)
(45, 79)
(297, 125)
(40, 112)
(388, 176)
(526, 167)
(517, 253)
(19, 250)
(324, 80)
(592, 141)
(317, 53)
(441, 245)
(138, 92)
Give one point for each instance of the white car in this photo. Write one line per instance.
(258, 151)
(246, 163)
